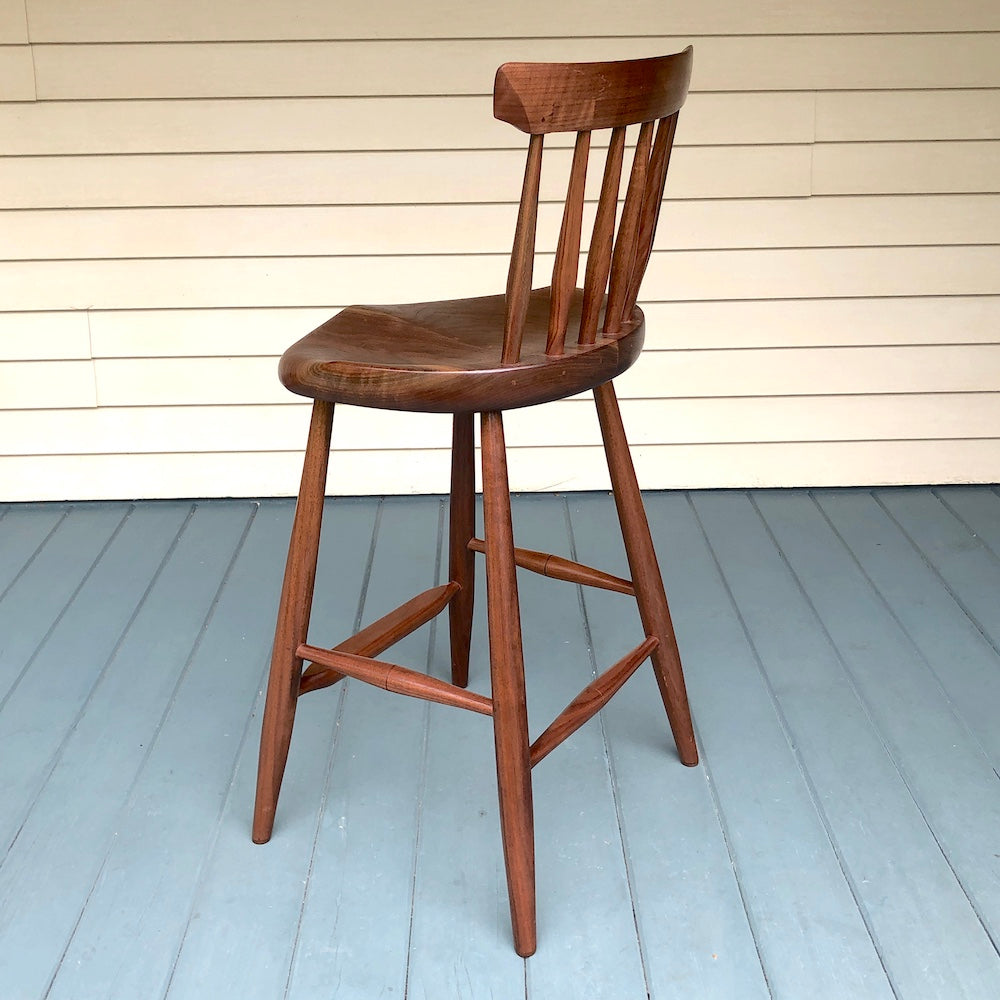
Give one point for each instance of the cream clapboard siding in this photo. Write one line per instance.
(185, 188)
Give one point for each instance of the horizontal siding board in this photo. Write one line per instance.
(823, 322)
(59, 336)
(13, 22)
(17, 82)
(110, 430)
(669, 325)
(419, 229)
(672, 275)
(198, 185)
(359, 123)
(749, 372)
(406, 472)
(466, 66)
(389, 177)
(42, 384)
(905, 167)
(908, 115)
(188, 20)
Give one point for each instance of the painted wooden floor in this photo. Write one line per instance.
(840, 840)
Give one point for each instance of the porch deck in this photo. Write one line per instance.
(841, 838)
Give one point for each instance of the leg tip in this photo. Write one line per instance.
(262, 827)
(526, 948)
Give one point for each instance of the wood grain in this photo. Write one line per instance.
(646, 576)
(602, 239)
(627, 241)
(461, 527)
(567, 262)
(559, 568)
(522, 257)
(510, 715)
(293, 622)
(562, 97)
(590, 701)
(381, 634)
(392, 677)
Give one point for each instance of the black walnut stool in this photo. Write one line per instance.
(486, 355)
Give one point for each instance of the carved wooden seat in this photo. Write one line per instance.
(486, 355)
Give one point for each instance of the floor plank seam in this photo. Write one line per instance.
(331, 759)
(171, 702)
(38, 548)
(129, 796)
(793, 747)
(609, 762)
(720, 817)
(917, 649)
(422, 780)
(57, 754)
(338, 717)
(892, 755)
(132, 787)
(968, 527)
(62, 612)
(994, 644)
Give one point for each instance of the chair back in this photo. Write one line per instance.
(539, 98)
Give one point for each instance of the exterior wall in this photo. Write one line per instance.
(186, 188)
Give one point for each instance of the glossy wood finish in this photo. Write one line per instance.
(486, 355)
(461, 527)
(510, 712)
(575, 97)
(590, 700)
(560, 568)
(381, 634)
(652, 200)
(566, 265)
(646, 577)
(623, 260)
(400, 680)
(443, 357)
(522, 257)
(293, 622)
(602, 239)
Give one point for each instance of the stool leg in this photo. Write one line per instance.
(461, 560)
(646, 578)
(293, 622)
(510, 717)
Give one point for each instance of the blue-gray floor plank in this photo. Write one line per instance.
(901, 816)
(167, 827)
(838, 840)
(692, 919)
(362, 864)
(250, 897)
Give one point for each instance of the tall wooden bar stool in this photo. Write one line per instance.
(487, 355)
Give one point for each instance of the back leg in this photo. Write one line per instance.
(646, 578)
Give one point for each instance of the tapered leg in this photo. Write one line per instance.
(293, 622)
(461, 560)
(646, 578)
(510, 716)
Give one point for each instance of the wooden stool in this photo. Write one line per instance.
(486, 355)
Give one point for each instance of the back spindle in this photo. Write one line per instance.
(628, 233)
(567, 261)
(599, 256)
(522, 256)
(653, 198)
